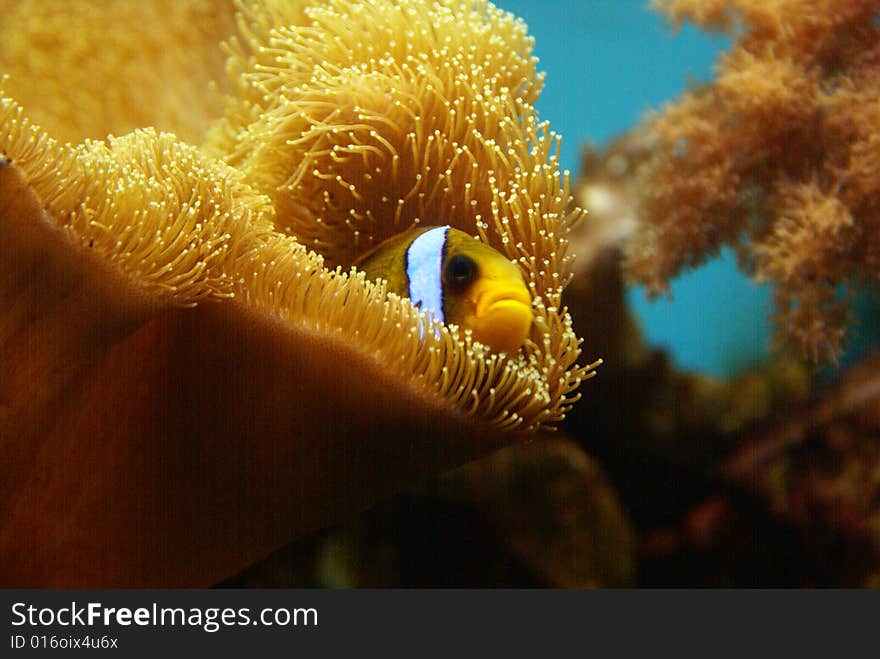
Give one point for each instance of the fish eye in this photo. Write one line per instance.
(461, 270)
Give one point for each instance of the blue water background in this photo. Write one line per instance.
(607, 63)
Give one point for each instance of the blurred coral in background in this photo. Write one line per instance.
(777, 157)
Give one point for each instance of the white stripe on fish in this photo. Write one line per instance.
(424, 271)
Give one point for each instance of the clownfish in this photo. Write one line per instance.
(459, 280)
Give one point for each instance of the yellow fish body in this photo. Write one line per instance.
(459, 280)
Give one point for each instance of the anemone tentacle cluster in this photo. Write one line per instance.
(362, 120)
(188, 354)
(345, 122)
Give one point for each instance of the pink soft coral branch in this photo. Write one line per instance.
(777, 158)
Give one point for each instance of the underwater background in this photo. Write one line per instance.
(608, 63)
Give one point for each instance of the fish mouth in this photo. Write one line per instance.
(502, 316)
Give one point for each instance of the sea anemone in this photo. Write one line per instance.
(196, 373)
